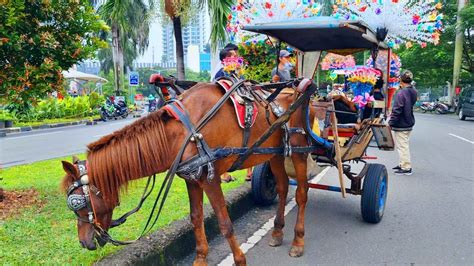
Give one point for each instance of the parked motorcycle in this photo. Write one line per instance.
(110, 110)
(437, 107)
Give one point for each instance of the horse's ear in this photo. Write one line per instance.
(75, 159)
(70, 169)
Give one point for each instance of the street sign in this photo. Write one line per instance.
(133, 78)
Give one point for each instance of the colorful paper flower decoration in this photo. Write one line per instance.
(334, 61)
(407, 21)
(395, 66)
(363, 75)
(247, 12)
(361, 82)
(234, 66)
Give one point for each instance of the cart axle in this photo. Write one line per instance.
(323, 187)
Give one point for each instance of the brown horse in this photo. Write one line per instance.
(150, 145)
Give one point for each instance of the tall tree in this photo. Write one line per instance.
(38, 39)
(129, 21)
(177, 9)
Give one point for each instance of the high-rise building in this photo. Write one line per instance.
(168, 43)
(193, 34)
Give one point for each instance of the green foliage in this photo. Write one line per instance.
(261, 59)
(69, 107)
(433, 65)
(5, 115)
(38, 40)
(53, 225)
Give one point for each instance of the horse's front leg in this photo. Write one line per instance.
(216, 198)
(197, 219)
(277, 164)
(299, 161)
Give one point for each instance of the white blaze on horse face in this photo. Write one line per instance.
(85, 179)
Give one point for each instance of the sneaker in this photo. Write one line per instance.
(404, 172)
(397, 167)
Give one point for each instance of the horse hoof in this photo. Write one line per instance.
(276, 241)
(296, 251)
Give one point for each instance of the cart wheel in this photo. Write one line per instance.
(374, 193)
(263, 185)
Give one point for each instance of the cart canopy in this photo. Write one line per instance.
(321, 34)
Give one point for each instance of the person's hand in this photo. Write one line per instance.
(276, 78)
(336, 97)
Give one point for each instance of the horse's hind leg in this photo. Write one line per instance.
(216, 198)
(299, 161)
(277, 164)
(197, 219)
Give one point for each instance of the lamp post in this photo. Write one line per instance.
(458, 46)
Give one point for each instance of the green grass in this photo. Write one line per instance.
(48, 235)
(52, 121)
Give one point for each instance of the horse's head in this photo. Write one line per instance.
(94, 216)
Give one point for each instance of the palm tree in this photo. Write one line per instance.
(129, 21)
(218, 11)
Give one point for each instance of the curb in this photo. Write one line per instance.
(168, 245)
(5, 131)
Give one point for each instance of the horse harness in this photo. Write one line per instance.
(192, 169)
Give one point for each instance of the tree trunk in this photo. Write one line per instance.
(121, 68)
(117, 57)
(178, 36)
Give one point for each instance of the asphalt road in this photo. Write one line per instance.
(38, 145)
(428, 218)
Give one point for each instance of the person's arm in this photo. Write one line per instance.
(346, 101)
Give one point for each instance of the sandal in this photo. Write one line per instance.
(248, 178)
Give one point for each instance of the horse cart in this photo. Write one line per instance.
(346, 142)
(211, 128)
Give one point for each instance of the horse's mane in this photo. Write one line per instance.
(135, 151)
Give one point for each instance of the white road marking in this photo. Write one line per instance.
(461, 138)
(35, 135)
(259, 234)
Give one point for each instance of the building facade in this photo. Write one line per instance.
(193, 34)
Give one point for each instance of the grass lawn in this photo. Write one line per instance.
(48, 235)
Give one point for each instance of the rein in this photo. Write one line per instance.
(78, 202)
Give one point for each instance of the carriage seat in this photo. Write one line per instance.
(345, 130)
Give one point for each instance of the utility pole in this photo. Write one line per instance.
(458, 46)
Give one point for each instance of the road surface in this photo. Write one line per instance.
(429, 217)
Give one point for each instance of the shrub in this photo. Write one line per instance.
(5, 115)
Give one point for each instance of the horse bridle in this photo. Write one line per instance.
(77, 202)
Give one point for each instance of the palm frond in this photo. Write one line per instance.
(218, 11)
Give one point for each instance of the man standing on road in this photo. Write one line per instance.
(402, 121)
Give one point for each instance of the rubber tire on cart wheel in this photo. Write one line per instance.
(263, 185)
(374, 193)
(461, 115)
